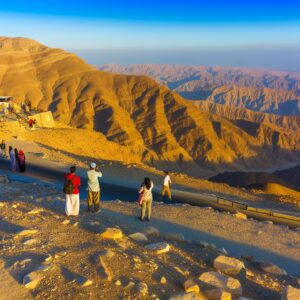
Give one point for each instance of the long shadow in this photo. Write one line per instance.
(8, 227)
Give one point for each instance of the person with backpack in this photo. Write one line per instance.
(21, 161)
(93, 188)
(146, 202)
(166, 185)
(71, 189)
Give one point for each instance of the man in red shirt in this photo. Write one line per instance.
(72, 195)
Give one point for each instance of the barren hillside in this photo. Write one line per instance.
(135, 110)
(275, 92)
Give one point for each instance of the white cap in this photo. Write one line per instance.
(93, 165)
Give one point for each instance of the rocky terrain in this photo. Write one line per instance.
(157, 126)
(275, 92)
(114, 256)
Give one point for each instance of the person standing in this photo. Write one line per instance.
(93, 188)
(166, 185)
(13, 163)
(21, 161)
(71, 189)
(3, 149)
(17, 157)
(146, 189)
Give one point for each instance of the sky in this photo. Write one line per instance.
(252, 33)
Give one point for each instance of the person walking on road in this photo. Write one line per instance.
(146, 205)
(166, 185)
(12, 157)
(93, 188)
(71, 189)
(21, 161)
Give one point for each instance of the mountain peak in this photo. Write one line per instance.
(19, 44)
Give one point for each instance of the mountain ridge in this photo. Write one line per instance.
(275, 92)
(162, 127)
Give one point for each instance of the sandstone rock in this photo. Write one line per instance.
(30, 242)
(188, 296)
(111, 233)
(217, 294)
(271, 268)
(151, 231)
(65, 222)
(32, 279)
(163, 280)
(35, 211)
(27, 232)
(240, 215)
(118, 283)
(224, 282)
(228, 265)
(158, 248)
(290, 293)
(138, 237)
(191, 286)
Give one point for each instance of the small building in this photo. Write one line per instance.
(4, 101)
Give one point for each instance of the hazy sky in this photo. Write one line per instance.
(243, 33)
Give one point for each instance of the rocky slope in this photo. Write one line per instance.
(259, 90)
(41, 259)
(287, 177)
(237, 113)
(137, 111)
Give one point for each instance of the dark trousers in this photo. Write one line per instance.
(93, 201)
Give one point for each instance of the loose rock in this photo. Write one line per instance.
(32, 279)
(228, 265)
(271, 268)
(112, 233)
(240, 215)
(224, 282)
(188, 296)
(138, 237)
(158, 248)
(191, 286)
(27, 232)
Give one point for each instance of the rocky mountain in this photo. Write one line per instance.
(162, 127)
(289, 177)
(267, 91)
(237, 113)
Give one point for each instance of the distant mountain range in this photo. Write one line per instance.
(288, 177)
(274, 92)
(163, 128)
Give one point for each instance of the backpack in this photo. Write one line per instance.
(69, 187)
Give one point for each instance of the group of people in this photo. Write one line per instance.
(73, 182)
(17, 158)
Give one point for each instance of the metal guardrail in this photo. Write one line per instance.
(259, 213)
